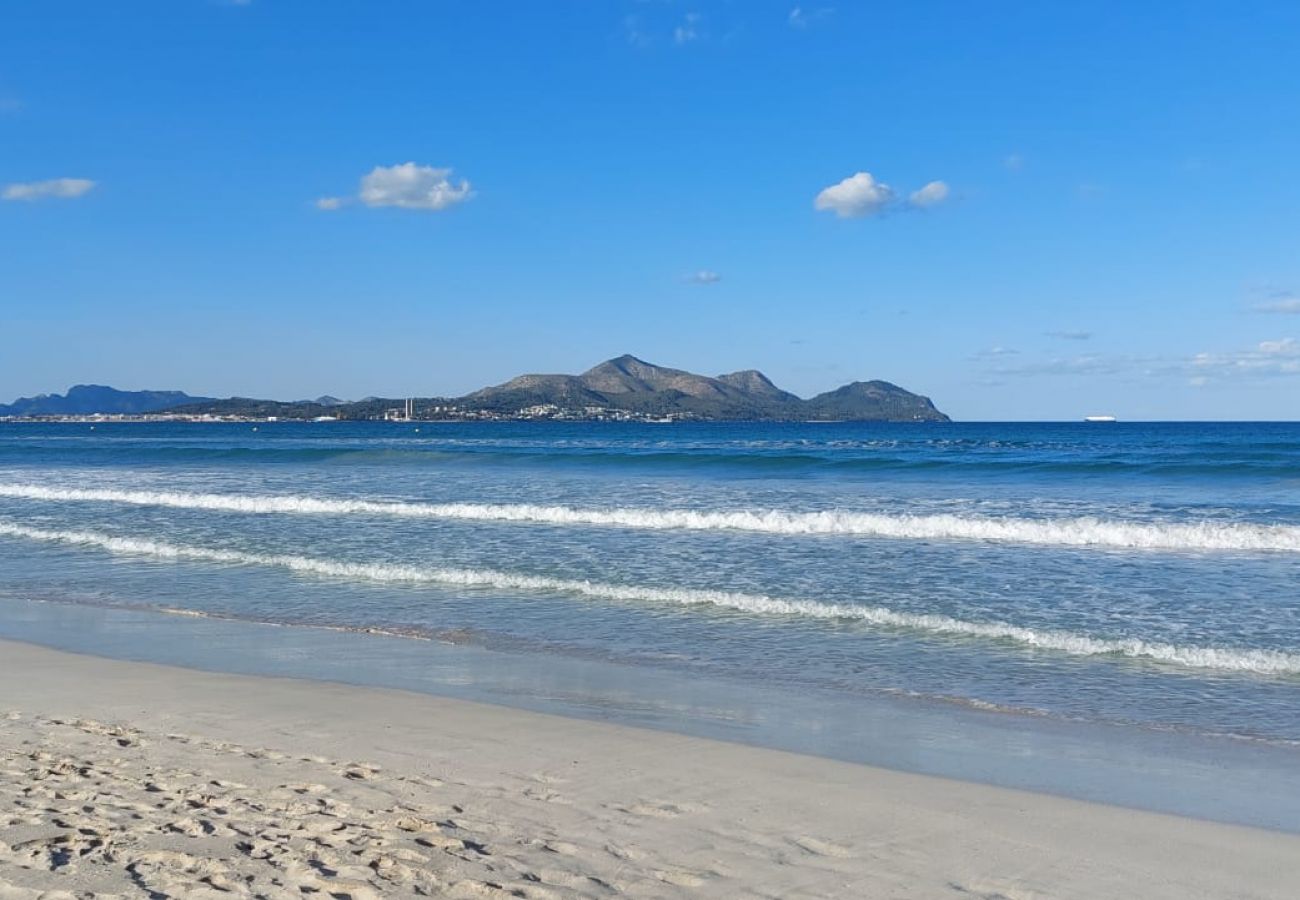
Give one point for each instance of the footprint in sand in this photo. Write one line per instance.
(630, 854)
(360, 771)
(679, 877)
(662, 810)
(821, 848)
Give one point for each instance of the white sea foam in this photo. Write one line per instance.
(1267, 662)
(1077, 531)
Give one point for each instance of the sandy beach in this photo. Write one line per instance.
(130, 779)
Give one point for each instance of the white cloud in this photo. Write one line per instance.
(857, 195)
(995, 352)
(862, 195)
(801, 18)
(1069, 335)
(704, 276)
(329, 203)
(1269, 359)
(61, 188)
(1266, 360)
(688, 31)
(1280, 302)
(1086, 364)
(412, 187)
(929, 195)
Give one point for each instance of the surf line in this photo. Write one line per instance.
(1251, 660)
(1080, 531)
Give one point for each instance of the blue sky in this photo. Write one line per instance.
(1111, 223)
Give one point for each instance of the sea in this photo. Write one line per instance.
(1102, 610)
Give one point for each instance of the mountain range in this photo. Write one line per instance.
(88, 399)
(626, 386)
(634, 385)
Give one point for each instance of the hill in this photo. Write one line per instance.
(88, 399)
(634, 385)
(624, 387)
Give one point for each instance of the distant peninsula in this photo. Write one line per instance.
(623, 389)
(96, 399)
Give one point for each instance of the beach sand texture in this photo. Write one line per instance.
(135, 780)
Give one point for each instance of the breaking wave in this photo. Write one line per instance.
(1078, 531)
(1259, 661)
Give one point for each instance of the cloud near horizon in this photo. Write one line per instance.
(406, 186)
(56, 188)
(1267, 360)
(862, 195)
(1280, 302)
(1069, 335)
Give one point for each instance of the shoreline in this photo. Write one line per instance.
(561, 806)
(1202, 777)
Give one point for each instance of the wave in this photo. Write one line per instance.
(1079, 531)
(1258, 661)
(994, 458)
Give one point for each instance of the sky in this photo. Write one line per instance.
(1023, 210)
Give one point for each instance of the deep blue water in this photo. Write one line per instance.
(1140, 575)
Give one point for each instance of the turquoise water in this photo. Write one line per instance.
(1133, 576)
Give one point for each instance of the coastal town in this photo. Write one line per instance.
(402, 415)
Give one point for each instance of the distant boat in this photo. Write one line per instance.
(1100, 419)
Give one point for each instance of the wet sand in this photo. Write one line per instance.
(132, 779)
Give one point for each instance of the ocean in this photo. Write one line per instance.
(1134, 579)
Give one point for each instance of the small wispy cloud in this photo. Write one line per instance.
(802, 17)
(1262, 363)
(54, 188)
(1013, 162)
(929, 195)
(406, 186)
(1272, 358)
(9, 104)
(1279, 302)
(1083, 364)
(703, 276)
(688, 31)
(995, 353)
(635, 32)
(862, 195)
(1069, 335)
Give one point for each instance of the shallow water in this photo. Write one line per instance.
(1145, 576)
